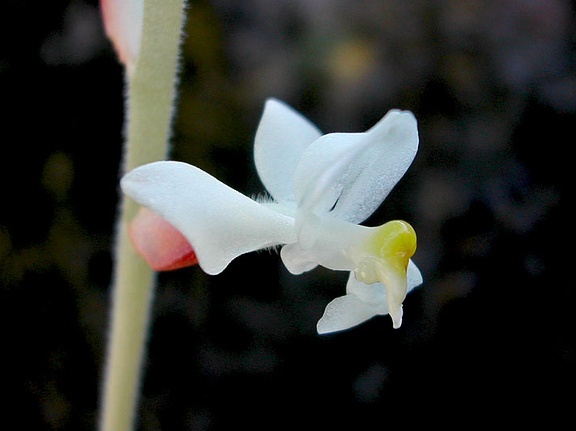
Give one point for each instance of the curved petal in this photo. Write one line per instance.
(345, 312)
(219, 222)
(296, 259)
(282, 136)
(413, 276)
(350, 174)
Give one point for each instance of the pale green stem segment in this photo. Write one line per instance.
(151, 90)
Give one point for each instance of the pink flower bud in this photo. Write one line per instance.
(123, 25)
(161, 245)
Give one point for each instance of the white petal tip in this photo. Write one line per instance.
(324, 327)
(344, 313)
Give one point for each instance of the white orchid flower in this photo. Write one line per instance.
(321, 188)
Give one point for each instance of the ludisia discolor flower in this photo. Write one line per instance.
(321, 187)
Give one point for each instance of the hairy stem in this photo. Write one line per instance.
(150, 92)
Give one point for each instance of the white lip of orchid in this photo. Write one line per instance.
(361, 302)
(375, 254)
(321, 186)
(388, 253)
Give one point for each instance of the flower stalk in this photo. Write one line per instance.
(151, 79)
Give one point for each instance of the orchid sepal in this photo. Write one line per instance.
(219, 222)
(281, 137)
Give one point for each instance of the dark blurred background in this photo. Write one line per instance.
(490, 337)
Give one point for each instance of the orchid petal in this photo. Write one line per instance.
(413, 276)
(219, 222)
(344, 313)
(282, 136)
(123, 24)
(298, 260)
(361, 302)
(350, 174)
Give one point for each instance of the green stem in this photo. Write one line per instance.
(151, 90)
